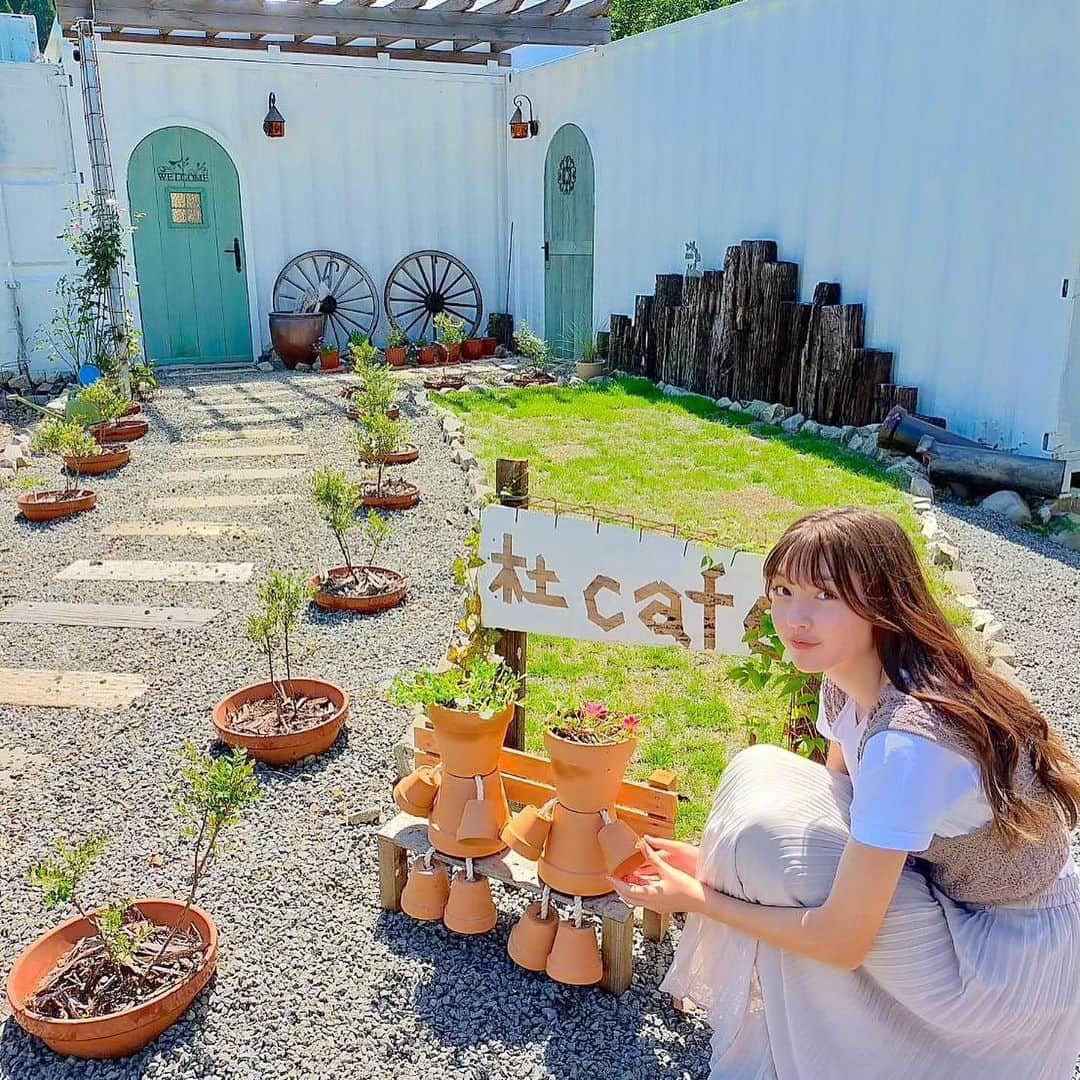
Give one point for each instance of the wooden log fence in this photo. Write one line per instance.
(742, 333)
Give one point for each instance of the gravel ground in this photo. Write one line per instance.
(314, 980)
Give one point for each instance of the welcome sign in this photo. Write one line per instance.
(575, 578)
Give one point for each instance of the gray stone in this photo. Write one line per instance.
(302, 367)
(724, 403)
(829, 432)
(575, 381)
(980, 618)
(265, 365)
(811, 427)
(969, 602)
(846, 432)
(993, 630)
(1009, 504)
(1069, 539)
(1002, 650)
(960, 581)
(793, 423)
(921, 486)
(20, 383)
(757, 409)
(1044, 512)
(944, 553)
(369, 815)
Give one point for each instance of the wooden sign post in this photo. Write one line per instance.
(512, 488)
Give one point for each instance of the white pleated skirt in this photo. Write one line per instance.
(948, 990)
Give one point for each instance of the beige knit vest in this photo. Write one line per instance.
(979, 867)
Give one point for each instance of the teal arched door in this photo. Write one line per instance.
(568, 241)
(189, 249)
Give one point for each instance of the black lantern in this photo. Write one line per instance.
(274, 124)
(520, 128)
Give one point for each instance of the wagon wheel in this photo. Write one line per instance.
(426, 283)
(345, 291)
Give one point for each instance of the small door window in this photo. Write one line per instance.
(185, 207)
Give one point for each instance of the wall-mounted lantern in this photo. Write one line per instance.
(520, 128)
(274, 124)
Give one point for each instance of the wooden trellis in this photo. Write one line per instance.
(402, 28)
(741, 333)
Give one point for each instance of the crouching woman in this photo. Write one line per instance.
(911, 909)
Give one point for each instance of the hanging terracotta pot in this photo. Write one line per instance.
(575, 956)
(527, 832)
(531, 939)
(620, 848)
(480, 821)
(415, 793)
(572, 862)
(468, 744)
(455, 793)
(425, 893)
(587, 775)
(470, 909)
(122, 1033)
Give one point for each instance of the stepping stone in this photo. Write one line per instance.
(256, 418)
(267, 450)
(219, 502)
(236, 475)
(242, 404)
(182, 528)
(46, 688)
(246, 433)
(156, 570)
(120, 615)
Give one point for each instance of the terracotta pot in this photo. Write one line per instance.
(587, 777)
(284, 749)
(48, 506)
(363, 604)
(620, 848)
(425, 893)
(393, 413)
(455, 792)
(472, 349)
(409, 452)
(295, 336)
(531, 939)
(133, 408)
(480, 822)
(527, 832)
(330, 361)
(575, 956)
(444, 382)
(96, 464)
(469, 908)
(588, 369)
(488, 345)
(119, 431)
(124, 1032)
(468, 744)
(415, 794)
(449, 354)
(428, 356)
(404, 500)
(572, 862)
(397, 356)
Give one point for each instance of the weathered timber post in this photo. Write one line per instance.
(512, 488)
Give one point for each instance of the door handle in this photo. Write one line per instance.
(235, 250)
(547, 251)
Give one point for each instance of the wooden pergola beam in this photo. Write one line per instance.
(341, 20)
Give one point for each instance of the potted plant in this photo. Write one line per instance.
(102, 407)
(397, 347)
(283, 720)
(109, 981)
(590, 364)
(366, 588)
(362, 354)
(329, 356)
(375, 394)
(60, 439)
(536, 351)
(429, 354)
(451, 332)
(377, 437)
(144, 385)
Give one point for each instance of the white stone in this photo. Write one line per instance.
(929, 527)
(793, 423)
(1002, 650)
(1009, 504)
(981, 618)
(921, 486)
(992, 630)
(960, 581)
(265, 365)
(969, 602)
(944, 553)
(575, 381)
(846, 432)
(757, 409)
(1070, 539)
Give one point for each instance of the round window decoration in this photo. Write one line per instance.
(567, 174)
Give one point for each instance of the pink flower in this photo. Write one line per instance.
(594, 710)
(631, 722)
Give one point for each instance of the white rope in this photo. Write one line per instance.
(606, 817)
(545, 902)
(549, 807)
(577, 912)
(479, 787)
(469, 875)
(428, 857)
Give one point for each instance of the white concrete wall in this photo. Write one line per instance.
(37, 180)
(376, 162)
(924, 154)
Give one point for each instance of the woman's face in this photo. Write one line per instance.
(820, 632)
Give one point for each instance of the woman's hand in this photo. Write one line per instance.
(680, 855)
(659, 885)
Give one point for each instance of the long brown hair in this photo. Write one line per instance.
(875, 571)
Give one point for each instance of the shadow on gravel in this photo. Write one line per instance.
(476, 996)
(1014, 534)
(25, 1057)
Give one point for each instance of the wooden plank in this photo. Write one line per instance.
(393, 873)
(252, 418)
(135, 616)
(50, 689)
(220, 502)
(654, 925)
(267, 450)
(411, 834)
(235, 475)
(340, 20)
(227, 406)
(826, 293)
(617, 950)
(724, 341)
(179, 570)
(242, 434)
(228, 529)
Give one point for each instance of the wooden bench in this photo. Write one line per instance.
(647, 808)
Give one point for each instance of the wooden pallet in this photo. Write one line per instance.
(650, 807)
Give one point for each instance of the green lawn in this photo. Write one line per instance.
(627, 447)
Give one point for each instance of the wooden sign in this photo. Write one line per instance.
(575, 578)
